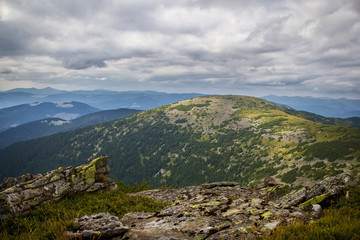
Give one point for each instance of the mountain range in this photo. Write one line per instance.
(48, 126)
(14, 116)
(198, 140)
(101, 99)
(144, 100)
(327, 107)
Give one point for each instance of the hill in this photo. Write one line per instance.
(328, 107)
(204, 139)
(14, 116)
(50, 126)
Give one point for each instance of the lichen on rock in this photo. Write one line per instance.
(97, 226)
(18, 195)
(226, 211)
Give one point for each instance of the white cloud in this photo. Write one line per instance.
(64, 105)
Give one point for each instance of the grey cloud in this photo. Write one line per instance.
(356, 5)
(6, 71)
(13, 40)
(250, 44)
(195, 78)
(59, 9)
(232, 4)
(83, 64)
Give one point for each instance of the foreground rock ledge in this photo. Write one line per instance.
(18, 195)
(219, 210)
(102, 225)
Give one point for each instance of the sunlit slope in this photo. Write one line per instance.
(204, 139)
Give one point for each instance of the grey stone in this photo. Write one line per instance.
(97, 226)
(221, 211)
(18, 195)
(316, 212)
(293, 198)
(269, 181)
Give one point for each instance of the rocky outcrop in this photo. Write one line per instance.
(228, 211)
(222, 210)
(18, 195)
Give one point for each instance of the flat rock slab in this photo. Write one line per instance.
(98, 226)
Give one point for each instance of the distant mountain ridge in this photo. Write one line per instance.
(102, 99)
(327, 107)
(48, 126)
(37, 91)
(14, 116)
(144, 100)
(199, 140)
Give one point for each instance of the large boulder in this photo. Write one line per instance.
(18, 195)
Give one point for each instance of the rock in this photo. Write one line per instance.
(269, 182)
(274, 193)
(298, 215)
(327, 188)
(316, 212)
(269, 227)
(18, 195)
(98, 226)
(219, 184)
(293, 198)
(223, 211)
(218, 210)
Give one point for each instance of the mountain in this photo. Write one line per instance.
(10, 99)
(50, 126)
(14, 116)
(36, 91)
(203, 139)
(337, 108)
(102, 99)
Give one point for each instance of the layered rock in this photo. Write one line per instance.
(18, 195)
(228, 211)
(102, 225)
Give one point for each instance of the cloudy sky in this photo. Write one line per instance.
(257, 47)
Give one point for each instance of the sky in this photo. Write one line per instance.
(255, 48)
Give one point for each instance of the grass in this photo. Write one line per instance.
(340, 221)
(51, 220)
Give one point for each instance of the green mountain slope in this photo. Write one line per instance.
(204, 139)
(347, 122)
(51, 126)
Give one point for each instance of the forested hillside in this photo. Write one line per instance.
(204, 139)
(50, 126)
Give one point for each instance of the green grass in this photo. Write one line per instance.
(51, 220)
(340, 221)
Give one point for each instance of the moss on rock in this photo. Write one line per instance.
(314, 200)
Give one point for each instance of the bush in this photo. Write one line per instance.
(290, 176)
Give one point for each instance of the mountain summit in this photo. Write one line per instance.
(199, 140)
